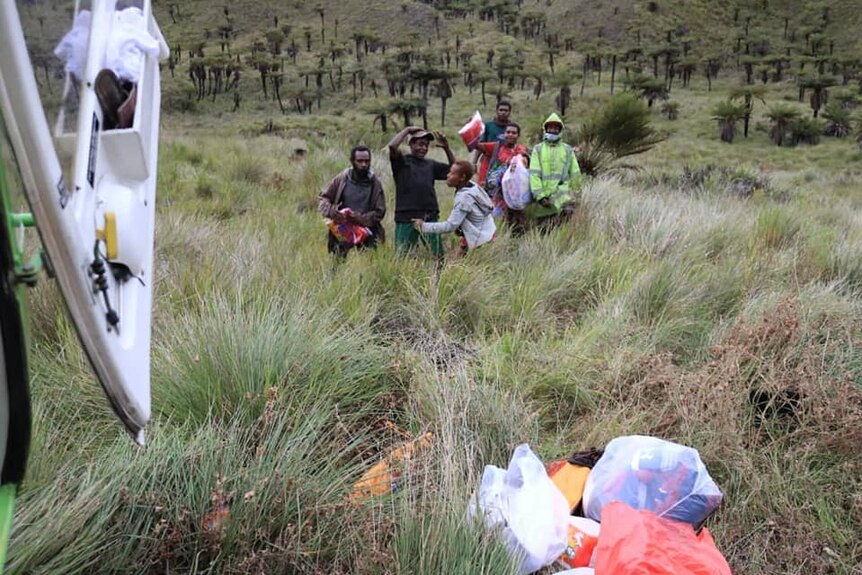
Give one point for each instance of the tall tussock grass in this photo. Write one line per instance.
(719, 308)
(199, 496)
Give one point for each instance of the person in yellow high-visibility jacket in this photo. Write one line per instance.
(554, 175)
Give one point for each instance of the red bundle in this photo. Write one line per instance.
(472, 131)
(348, 233)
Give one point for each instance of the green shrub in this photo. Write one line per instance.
(805, 130)
(727, 114)
(178, 97)
(782, 117)
(649, 88)
(621, 128)
(847, 99)
(670, 110)
(838, 123)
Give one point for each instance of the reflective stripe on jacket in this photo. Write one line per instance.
(554, 172)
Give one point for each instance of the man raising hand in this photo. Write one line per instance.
(414, 174)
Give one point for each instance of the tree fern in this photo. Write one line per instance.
(621, 128)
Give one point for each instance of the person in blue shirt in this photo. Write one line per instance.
(496, 127)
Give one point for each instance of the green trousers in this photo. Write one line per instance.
(406, 237)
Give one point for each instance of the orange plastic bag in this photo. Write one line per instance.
(385, 476)
(640, 543)
(569, 479)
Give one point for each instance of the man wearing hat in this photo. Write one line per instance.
(415, 197)
(554, 174)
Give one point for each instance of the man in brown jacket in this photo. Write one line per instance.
(358, 189)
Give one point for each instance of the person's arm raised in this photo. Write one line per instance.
(443, 142)
(398, 139)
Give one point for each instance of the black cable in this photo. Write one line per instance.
(100, 279)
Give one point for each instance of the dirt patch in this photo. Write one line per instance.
(440, 349)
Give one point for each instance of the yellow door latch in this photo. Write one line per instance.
(108, 234)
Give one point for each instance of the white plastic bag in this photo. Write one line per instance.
(527, 507)
(516, 184)
(653, 474)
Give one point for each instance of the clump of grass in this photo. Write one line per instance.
(221, 358)
(653, 226)
(47, 311)
(312, 175)
(836, 262)
(197, 254)
(205, 186)
(718, 241)
(744, 183)
(183, 152)
(234, 198)
(588, 277)
(426, 542)
(712, 179)
(775, 228)
(474, 422)
(463, 301)
(246, 168)
(653, 294)
(252, 487)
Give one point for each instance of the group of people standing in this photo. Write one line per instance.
(356, 197)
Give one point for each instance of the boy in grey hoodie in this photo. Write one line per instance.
(471, 214)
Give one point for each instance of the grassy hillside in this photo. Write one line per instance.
(705, 275)
(582, 19)
(265, 60)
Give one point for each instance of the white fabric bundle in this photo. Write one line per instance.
(128, 42)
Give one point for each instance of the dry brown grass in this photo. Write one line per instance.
(779, 423)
